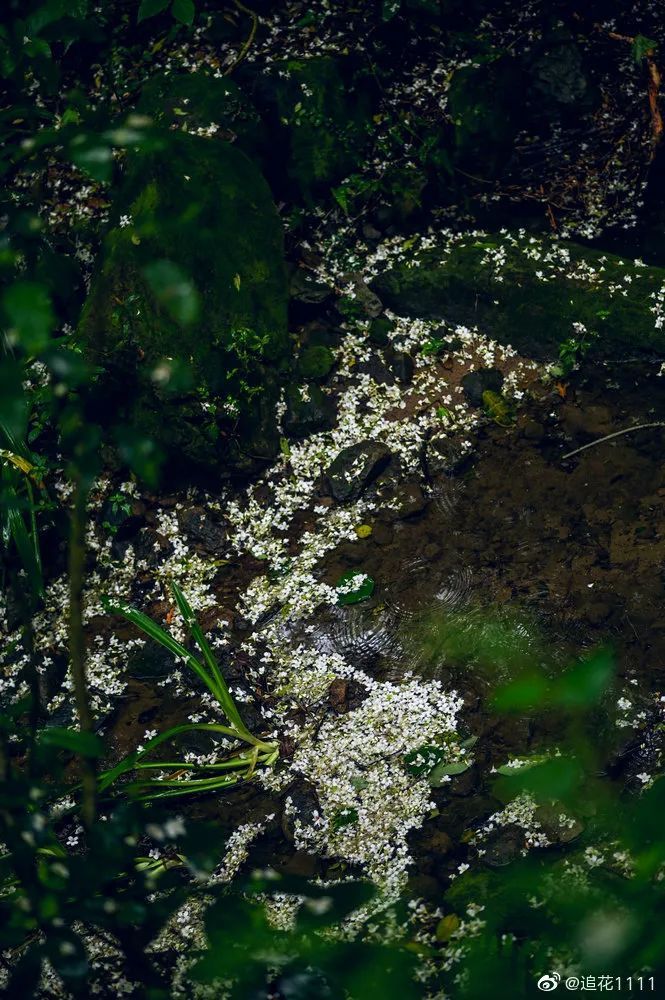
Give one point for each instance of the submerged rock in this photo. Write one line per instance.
(187, 309)
(535, 294)
(355, 468)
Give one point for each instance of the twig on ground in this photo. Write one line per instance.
(608, 437)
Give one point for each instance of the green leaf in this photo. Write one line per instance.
(520, 764)
(84, 743)
(442, 771)
(141, 454)
(349, 592)
(424, 759)
(173, 290)
(27, 546)
(29, 313)
(92, 155)
(344, 817)
(220, 685)
(584, 683)
(642, 46)
(183, 11)
(13, 406)
(149, 8)
(157, 633)
(339, 194)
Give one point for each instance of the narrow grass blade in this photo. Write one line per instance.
(160, 635)
(128, 763)
(28, 550)
(226, 701)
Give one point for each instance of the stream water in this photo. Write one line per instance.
(511, 557)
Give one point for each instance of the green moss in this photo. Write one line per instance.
(192, 101)
(316, 362)
(204, 207)
(529, 293)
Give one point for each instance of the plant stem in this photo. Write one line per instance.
(77, 647)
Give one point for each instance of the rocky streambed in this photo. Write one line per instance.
(368, 594)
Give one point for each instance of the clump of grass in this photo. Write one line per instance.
(238, 766)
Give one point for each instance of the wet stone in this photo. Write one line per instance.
(382, 534)
(411, 500)
(478, 382)
(504, 846)
(402, 367)
(306, 416)
(338, 695)
(201, 529)
(442, 457)
(355, 468)
(533, 431)
(151, 662)
(379, 329)
(558, 827)
(304, 287)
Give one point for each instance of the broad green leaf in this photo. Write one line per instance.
(339, 194)
(173, 290)
(149, 8)
(354, 586)
(84, 743)
(583, 684)
(30, 318)
(93, 155)
(183, 11)
(642, 46)
(13, 406)
(520, 764)
(443, 771)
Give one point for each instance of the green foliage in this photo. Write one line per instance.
(224, 773)
(196, 281)
(354, 586)
(173, 290)
(572, 352)
(316, 362)
(643, 46)
(181, 10)
(326, 122)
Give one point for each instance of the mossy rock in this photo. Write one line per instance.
(322, 113)
(316, 361)
(308, 411)
(198, 102)
(530, 292)
(200, 209)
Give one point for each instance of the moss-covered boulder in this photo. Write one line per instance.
(204, 105)
(187, 310)
(536, 294)
(321, 111)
